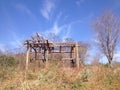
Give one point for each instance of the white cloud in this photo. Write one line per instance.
(3, 47)
(16, 40)
(68, 28)
(26, 10)
(65, 18)
(79, 2)
(15, 44)
(115, 58)
(67, 32)
(47, 8)
(117, 55)
(55, 29)
(63, 30)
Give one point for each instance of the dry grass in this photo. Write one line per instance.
(60, 78)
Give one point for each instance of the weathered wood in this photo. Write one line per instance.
(60, 49)
(77, 55)
(47, 52)
(61, 52)
(35, 54)
(38, 44)
(27, 59)
(26, 66)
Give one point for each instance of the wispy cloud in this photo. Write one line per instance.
(68, 28)
(65, 18)
(47, 8)
(3, 47)
(16, 40)
(68, 31)
(117, 55)
(79, 2)
(26, 10)
(116, 4)
(14, 44)
(56, 29)
(63, 30)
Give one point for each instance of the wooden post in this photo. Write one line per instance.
(27, 59)
(26, 68)
(71, 60)
(35, 55)
(71, 51)
(77, 55)
(47, 58)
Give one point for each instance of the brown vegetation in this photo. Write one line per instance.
(57, 73)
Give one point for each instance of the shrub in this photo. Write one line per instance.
(79, 85)
(85, 75)
(7, 61)
(11, 61)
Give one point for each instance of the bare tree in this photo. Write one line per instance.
(107, 28)
(53, 37)
(83, 51)
(56, 39)
(68, 39)
(96, 59)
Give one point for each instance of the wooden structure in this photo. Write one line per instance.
(38, 44)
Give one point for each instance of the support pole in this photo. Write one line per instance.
(60, 49)
(47, 52)
(71, 60)
(27, 59)
(35, 55)
(26, 67)
(77, 55)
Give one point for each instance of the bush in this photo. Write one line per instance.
(11, 61)
(85, 75)
(7, 61)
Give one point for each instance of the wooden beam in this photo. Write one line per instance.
(77, 55)
(60, 48)
(61, 52)
(37, 43)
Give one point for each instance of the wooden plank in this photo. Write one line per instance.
(61, 52)
(67, 58)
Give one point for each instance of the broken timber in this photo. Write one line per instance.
(38, 44)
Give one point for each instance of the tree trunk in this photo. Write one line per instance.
(110, 63)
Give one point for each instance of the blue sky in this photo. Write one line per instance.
(19, 19)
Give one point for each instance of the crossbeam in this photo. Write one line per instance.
(39, 44)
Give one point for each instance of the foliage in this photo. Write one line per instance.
(85, 75)
(53, 77)
(7, 61)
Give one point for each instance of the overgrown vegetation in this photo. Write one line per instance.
(58, 78)
(57, 74)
